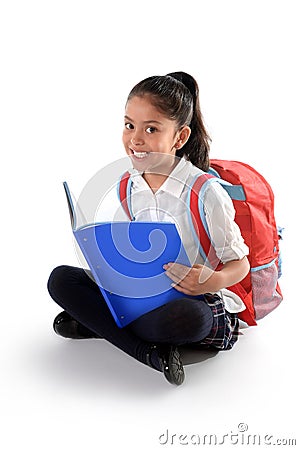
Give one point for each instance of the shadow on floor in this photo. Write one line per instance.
(195, 354)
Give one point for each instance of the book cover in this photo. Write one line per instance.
(126, 260)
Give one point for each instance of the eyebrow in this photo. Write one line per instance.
(146, 121)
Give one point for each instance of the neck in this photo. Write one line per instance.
(157, 179)
(154, 180)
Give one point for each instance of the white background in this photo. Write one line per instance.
(66, 70)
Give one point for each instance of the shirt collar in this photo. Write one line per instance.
(175, 182)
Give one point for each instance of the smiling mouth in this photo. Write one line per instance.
(139, 155)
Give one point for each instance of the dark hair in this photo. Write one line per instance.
(177, 96)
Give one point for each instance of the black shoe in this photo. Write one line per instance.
(170, 363)
(66, 326)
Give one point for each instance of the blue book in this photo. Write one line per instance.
(126, 260)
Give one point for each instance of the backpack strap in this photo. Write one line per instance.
(197, 215)
(198, 220)
(124, 193)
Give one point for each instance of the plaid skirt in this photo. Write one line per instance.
(225, 329)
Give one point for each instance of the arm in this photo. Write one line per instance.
(233, 272)
(201, 279)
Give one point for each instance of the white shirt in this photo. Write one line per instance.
(169, 204)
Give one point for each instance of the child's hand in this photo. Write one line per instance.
(194, 280)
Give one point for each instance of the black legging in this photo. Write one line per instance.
(182, 321)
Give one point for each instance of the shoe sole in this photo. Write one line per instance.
(174, 371)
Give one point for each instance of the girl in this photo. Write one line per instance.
(165, 137)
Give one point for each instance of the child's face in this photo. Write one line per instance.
(147, 131)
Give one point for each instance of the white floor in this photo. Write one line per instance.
(59, 393)
(62, 99)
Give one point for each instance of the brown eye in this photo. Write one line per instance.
(150, 130)
(129, 126)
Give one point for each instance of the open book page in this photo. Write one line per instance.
(109, 209)
(77, 216)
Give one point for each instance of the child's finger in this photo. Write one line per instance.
(178, 270)
(174, 277)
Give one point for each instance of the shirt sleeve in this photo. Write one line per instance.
(224, 232)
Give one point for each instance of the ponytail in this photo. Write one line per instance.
(197, 147)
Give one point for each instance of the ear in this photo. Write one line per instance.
(182, 136)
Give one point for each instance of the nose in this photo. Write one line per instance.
(137, 138)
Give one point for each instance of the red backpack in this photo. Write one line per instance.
(253, 200)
